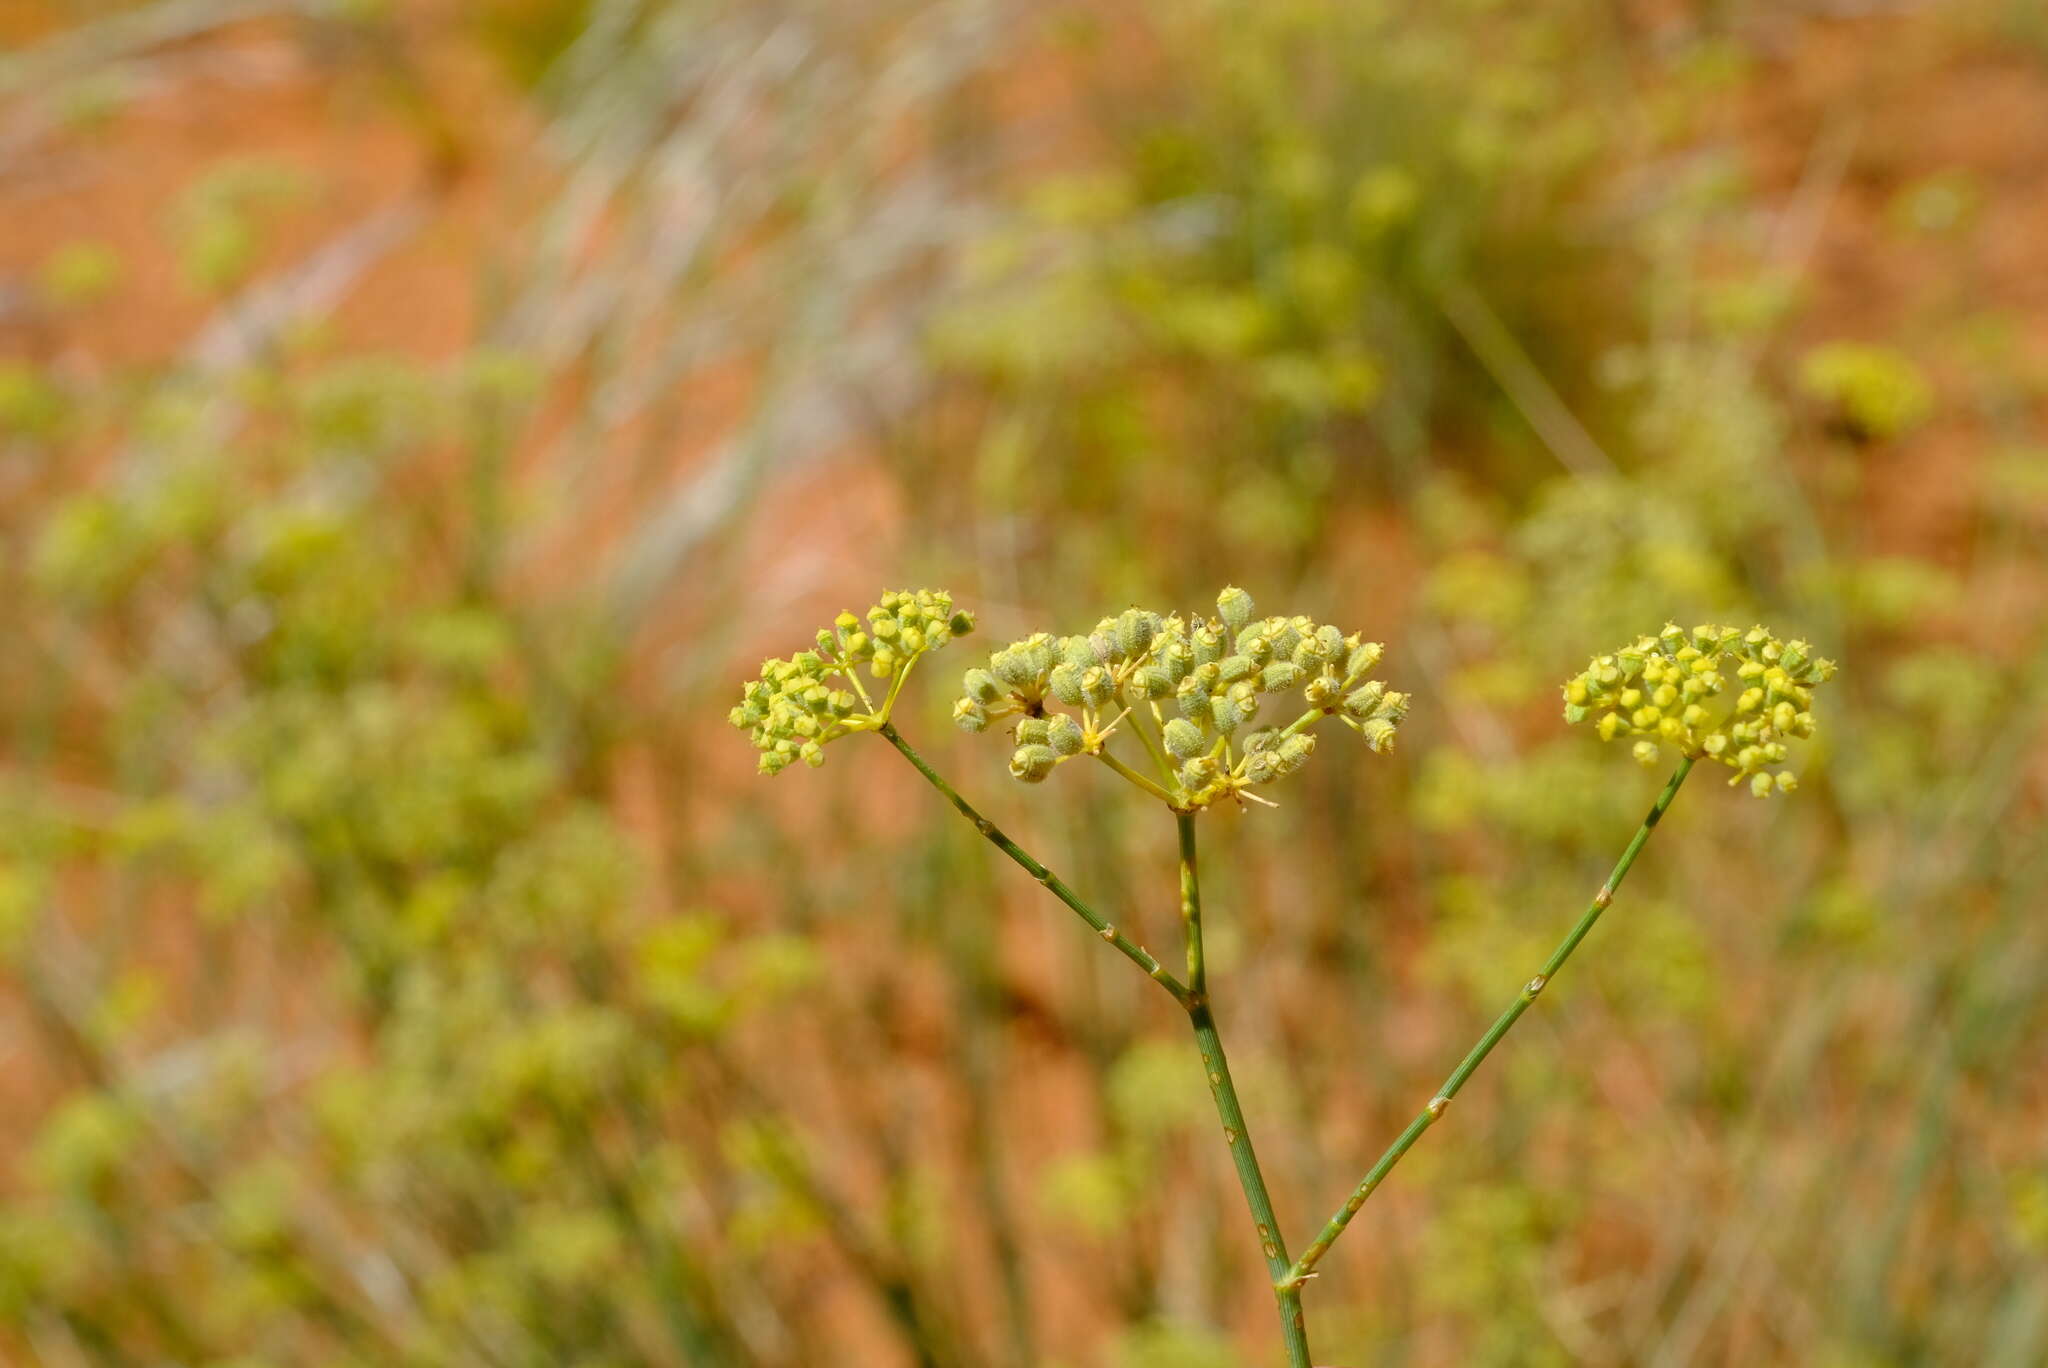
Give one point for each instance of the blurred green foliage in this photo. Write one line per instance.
(394, 972)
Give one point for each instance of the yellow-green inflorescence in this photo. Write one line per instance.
(1717, 693)
(800, 705)
(1199, 693)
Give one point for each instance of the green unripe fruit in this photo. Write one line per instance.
(969, 715)
(1097, 686)
(1012, 666)
(1235, 668)
(981, 686)
(1278, 676)
(1184, 739)
(1225, 714)
(1378, 733)
(1362, 702)
(1294, 752)
(1135, 630)
(1032, 763)
(1064, 683)
(1234, 606)
(1063, 734)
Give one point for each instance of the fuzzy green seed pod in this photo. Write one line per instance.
(1184, 739)
(1032, 763)
(1033, 731)
(1098, 686)
(1363, 657)
(1225, 714)
(1279, 676)
(1078, 652)
(1155, 683)
(1294, 752)
(1234, 606)
(960, 624)
(1012, 666)
(1198, 773)
(1362, 702)
(969, 715)
(1262, 768)
(1063, 734)
(981, 686)
(1064, 683)
(1265, 738)
(1135, 631)
(1378, 733)
(1208, 644)
(1192, 699)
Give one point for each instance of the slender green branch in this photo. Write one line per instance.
(1129, 949)
(1303, 1267)
(1151, 742)
(1235, 1133)
(1102, 754)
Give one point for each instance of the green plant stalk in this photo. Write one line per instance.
(1235, 1133)
(1292, 1278)
(1128, 948)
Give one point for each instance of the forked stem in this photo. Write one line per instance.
(1292, 1278)
(1235, 1133)
(1128, 948)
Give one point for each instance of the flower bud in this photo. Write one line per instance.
(1760, 786)
(960, 624)
(1645, 752)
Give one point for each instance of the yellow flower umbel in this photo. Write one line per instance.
(799, 705)
(1197, 687)
(1717, 693)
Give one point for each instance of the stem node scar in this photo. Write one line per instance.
(1604, 898)
(1108, 933)
(1437, 1105)
(1535, 985)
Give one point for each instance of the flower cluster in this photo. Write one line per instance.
(816, 696)
(1191, 689)
(1719, 692)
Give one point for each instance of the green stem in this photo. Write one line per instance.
(1299, 1273)
(1102, 754)
(1235, 1133)
(1129, 949)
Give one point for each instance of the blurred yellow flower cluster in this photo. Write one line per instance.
(795, 707)
(1716, 692)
